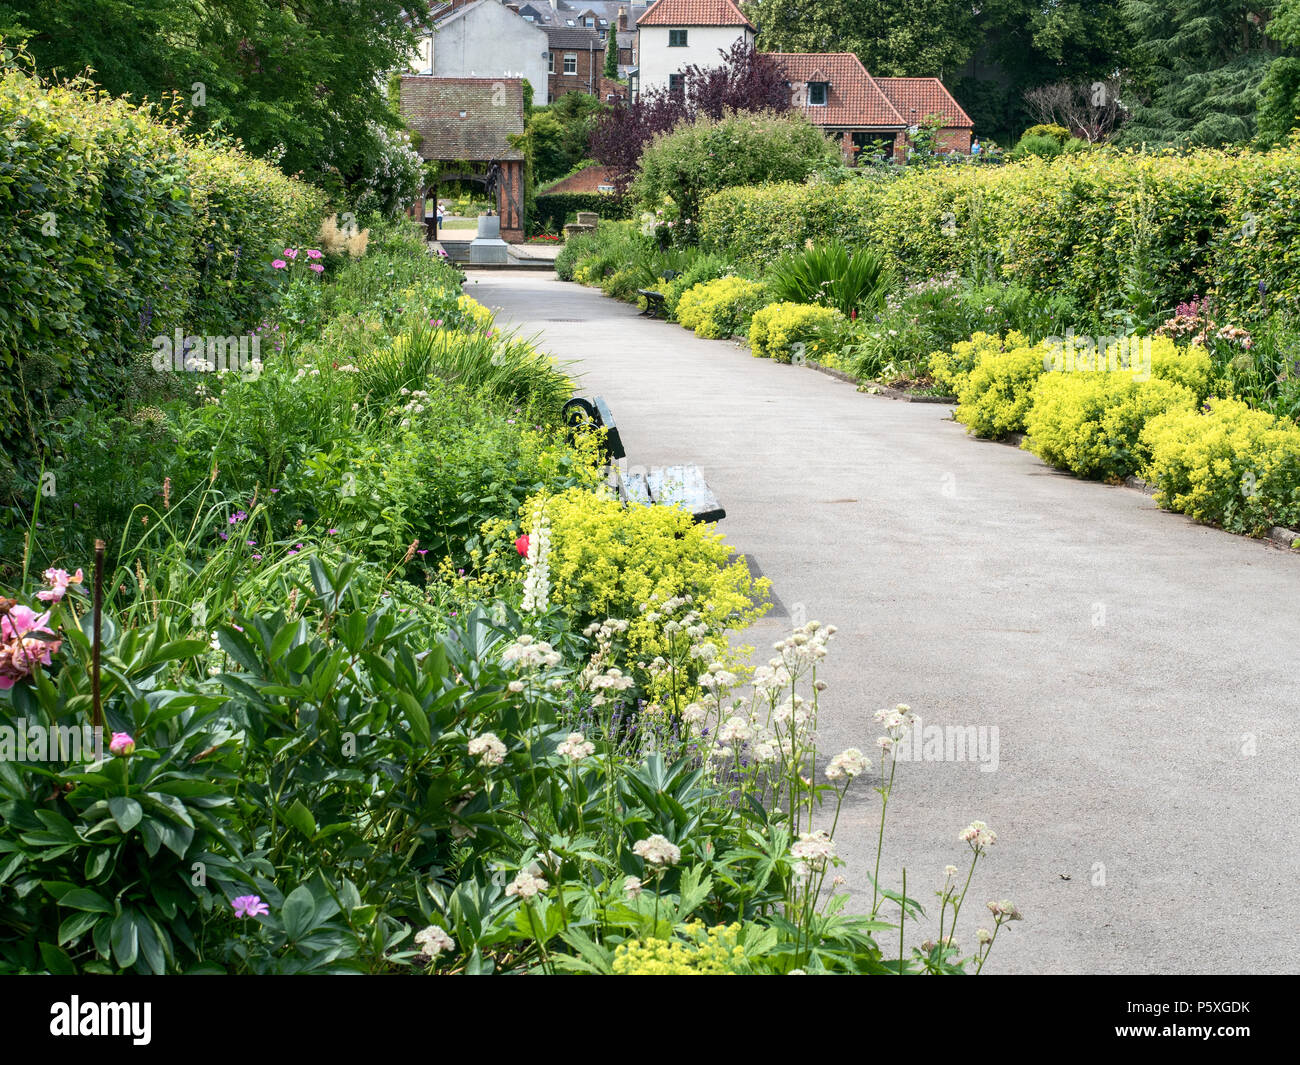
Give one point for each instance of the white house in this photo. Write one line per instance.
(484, 39)
(675, 34)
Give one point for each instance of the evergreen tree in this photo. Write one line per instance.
(1196, 68)
(611, 55)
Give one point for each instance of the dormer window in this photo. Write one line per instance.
(817, 91)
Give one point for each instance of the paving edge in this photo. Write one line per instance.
(875, 388)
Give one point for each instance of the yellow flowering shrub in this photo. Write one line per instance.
(1232, 465)
(994, 397)
(719, 308)
(1091, 423)
(775, 329)
(608, 559)
(705, 952)
(951, 368)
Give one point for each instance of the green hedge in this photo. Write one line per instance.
(554, 209)
(114, 229)
(1109, 229)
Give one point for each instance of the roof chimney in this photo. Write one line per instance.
(622, 19)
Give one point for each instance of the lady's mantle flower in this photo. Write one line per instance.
(815, 848)
(433, 941)
(249, 906)
(657, 851)
(847, 764)
(979, 836)
(525, 886)
(488, 749)
(575, 748)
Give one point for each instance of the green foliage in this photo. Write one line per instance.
(719, 308)
(776, 329)
(1085, 226)
(709, 154)
(1230, 465)
(178, 235)
(300, 83)
(555, 209)
(832, 276)
(1197, 66)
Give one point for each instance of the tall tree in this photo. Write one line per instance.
(611, 54)
(1279, 92)
(743, 81)
(1196, 67)
(297, 80)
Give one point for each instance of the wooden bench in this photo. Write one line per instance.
(666, 486)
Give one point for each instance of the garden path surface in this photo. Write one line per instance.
(1141, 670)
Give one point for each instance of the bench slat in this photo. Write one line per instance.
(684, 486)
(633, 489)
(613, 442)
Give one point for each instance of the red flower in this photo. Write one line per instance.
(521, 545)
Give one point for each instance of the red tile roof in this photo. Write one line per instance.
(464, 118)
(854, 100)
(914, 98)
(693, 13)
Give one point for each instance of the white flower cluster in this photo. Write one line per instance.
(434, 941)
(849, 763)
(802, 649)
(978, 835)
(537, 582)
(1005, 911)
(488, 749)
(575, 748)
(897, 720)
(527, 654)
(657, 851)
(525, 886)
(815, 848)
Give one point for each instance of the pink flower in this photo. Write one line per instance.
(58, 580)
(317, 267)
(332, 532)
(121, 744)
(521, 545)
(22, 620)
(249, 906)
(279, 264)
(312, 253)
(291, 252)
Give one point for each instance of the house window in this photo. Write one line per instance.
(817, 93)
(676, 38)
(676, 83)
(571, 62)
(550, 62)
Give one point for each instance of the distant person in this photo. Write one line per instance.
(442, 215)
(975, 148)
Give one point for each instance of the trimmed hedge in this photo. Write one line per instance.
(1107, 228)
(114, 229)
(553, 210)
